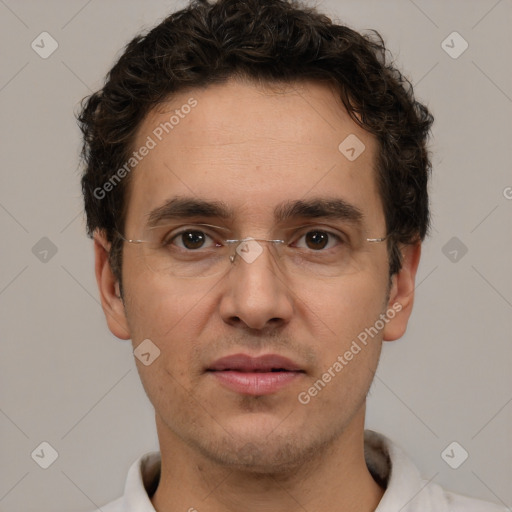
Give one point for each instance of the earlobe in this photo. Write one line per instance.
(401, 297)
(108, 286)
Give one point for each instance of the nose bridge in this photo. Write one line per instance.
(256, 259)
(257, 293)
(250, 249)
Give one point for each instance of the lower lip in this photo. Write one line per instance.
(256, 383)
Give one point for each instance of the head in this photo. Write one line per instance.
(242, 108)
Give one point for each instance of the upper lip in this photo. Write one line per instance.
(246, 363)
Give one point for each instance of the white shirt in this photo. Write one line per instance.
(405, 490)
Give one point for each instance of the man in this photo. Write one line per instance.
(256, 186)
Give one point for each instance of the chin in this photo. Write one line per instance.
(258, 455)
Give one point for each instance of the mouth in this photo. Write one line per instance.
(256, 376)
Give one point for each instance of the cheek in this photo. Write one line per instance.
(159, 307)
(345, 314)
(175, 314)
(342, 308)
(170, 316)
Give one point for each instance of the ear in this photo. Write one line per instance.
(401, 296)
(108, 286)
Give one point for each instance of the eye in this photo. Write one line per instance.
(190, 240)
(318, 239)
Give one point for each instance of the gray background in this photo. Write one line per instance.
(66, 380)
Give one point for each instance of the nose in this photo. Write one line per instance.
(257, 294)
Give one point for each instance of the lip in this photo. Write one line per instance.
(262, 375)
(247, 363)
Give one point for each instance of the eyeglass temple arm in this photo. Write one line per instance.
(373, 240)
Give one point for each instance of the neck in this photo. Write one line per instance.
(336, 479)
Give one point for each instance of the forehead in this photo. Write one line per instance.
(253, 148)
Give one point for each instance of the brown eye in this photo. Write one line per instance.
(189, 240)
(193, 239)
(317, 240)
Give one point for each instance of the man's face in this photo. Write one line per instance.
(253, 151)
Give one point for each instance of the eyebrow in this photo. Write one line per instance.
(185, 207)
(328, 208)
(188, 207)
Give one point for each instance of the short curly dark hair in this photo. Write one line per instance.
(268, 42)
